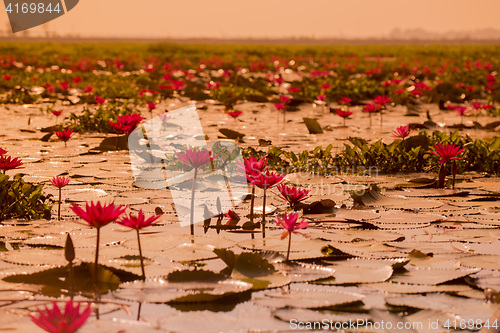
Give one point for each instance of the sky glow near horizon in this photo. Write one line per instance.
(268, 18)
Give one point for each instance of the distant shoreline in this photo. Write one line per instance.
(256, 41)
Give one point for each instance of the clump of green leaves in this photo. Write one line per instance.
(22, 200)
(409, 155)
(98, 120)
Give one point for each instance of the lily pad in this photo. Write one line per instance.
(310, 298)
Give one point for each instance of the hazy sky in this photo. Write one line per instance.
(270, 18)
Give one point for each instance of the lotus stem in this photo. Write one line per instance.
(59, 206)
(192, 201)
(140, 256)
(264, 215)
(252, 202)
(289, 245)
(96, 263)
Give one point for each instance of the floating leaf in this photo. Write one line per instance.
(352, 275)
(162, 291)
(482, 261)
(405, 288)
(231, 134)
(465, 308)
(313, 126)
(430, 276)
(302, 272)
(312, 297)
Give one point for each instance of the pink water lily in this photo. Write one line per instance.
(290, 222)
(98, 215)
(59, 182)
(253, 167)
(402, 132)
(195, 158)
(447, 152)
(64, 135)
(265, 180)
(9, 163)
(138, 223)
(292, 194)
(55, 321)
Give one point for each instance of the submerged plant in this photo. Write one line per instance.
(97, 215)
(447, 152)
(290, 222)
(138, 223)
(55, 321)
(59, 182)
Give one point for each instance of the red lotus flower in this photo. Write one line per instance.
(321, 97)
(266, 179)
(460, 110)
(7, 77)
(195, 158)
(151, 106)
(343, 113)
(138, 222)
(293, 195)
(65, 85)
(344, 101)
(279, 106)
(233, 218)
(64, 135)
(2, 152)
(77, 79)
(476, 105)
(88, 89)
(59, 182)
(126, 123)
(253, 166)
(294, 89)
(235, 114)
(99, 100)
(56, 113)
(325, 86)
(290, 223)
(54, 321)
(381, 100)
(285, 99)
(97, 215)
(370, 108)
(447, 152)
(402, 132)
(9, 163)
